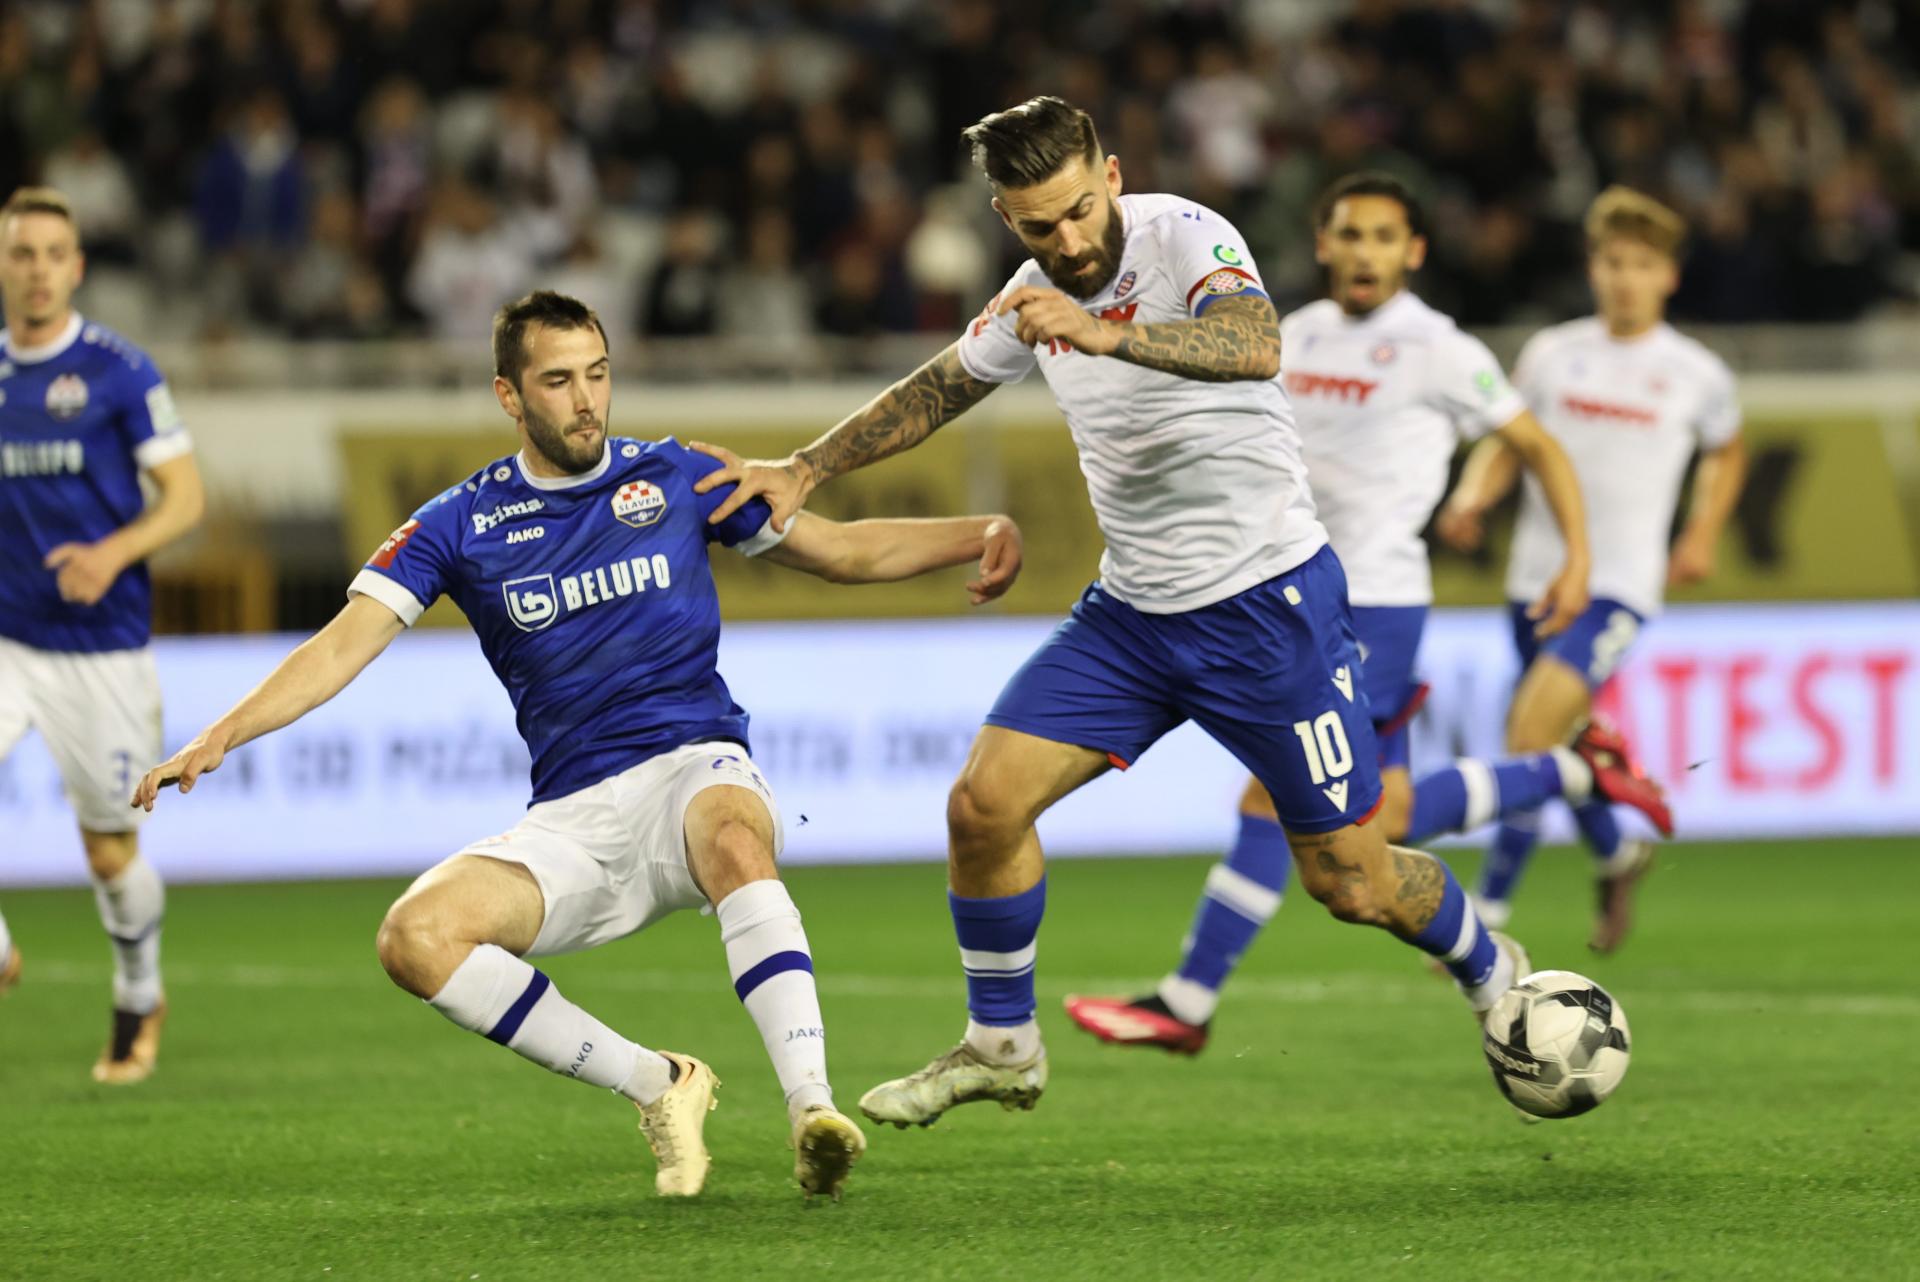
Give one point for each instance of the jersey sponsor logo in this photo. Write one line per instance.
(1228, 255)
(484, 521)
(42, 458)
(985, 318)
(527, 534)
(1488, 383)
(1125, 286)
(1333, 387)
(531, 601)
(383, 555)
(639, 504)
(66, 397)
(606, 583)
(1120, 315)
(1587, 407)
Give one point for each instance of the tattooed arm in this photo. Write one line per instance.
(1236, 339)
(898, 419)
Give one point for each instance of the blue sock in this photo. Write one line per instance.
(1471, 792)
(1243, 893)
(1507, 857)
(1600, 828)
(996, 948)
(1457, 938)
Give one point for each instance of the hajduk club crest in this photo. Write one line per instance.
(638, 503)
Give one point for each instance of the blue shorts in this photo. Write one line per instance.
(1273, 674)
(1389, 642)
(1593, 646)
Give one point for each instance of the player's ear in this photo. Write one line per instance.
(508, 396)
(1114, 184)
(1320, 246)
(1001, 210)
(1416, 253)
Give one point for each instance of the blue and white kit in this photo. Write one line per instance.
(81, 417)
(593, 602)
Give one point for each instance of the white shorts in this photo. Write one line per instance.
(100, 716)
(612, 858)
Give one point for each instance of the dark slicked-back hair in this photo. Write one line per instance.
(541, 307)
(1026, 145)
(1371, 182)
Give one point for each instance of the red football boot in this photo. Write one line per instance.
(1142, 1021)
(1618, 778)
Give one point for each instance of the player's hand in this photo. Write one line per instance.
(1564, 601)
(783, 483)
(1048, 314)
(1692, 560)
(184, 768)
(84, 571)
(999, 563)
(1461, 526)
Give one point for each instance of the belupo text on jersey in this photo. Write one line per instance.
(535, 601)
(42, 458)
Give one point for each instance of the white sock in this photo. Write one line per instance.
(6, 942)
(1004, 1043)
(1494, 914)
(1190, 1001)
(1576, 776)
(772, 971)
(1499, 980)
(131, 906)
(497, 995)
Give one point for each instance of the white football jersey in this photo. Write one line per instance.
(1199, 488)
(1630, 414)
(1382, 400)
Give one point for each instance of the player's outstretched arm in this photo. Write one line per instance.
(1491, 470)
(84, 571)
(319, 668)
(898, 419)
(1716, 491)
(1237, 339)
(882, 551)
(1566, 597)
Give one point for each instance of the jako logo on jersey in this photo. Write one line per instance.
(1125, 286)
(1586, 408)
(383, 556)
(66, 397)
(484, 521)
(639, 504)
(527, 534)
(1346, 390)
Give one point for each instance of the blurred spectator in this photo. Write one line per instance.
(820, 140)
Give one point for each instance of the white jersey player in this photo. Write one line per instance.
(1218, 599)
(1384, 389)
(1631, 401)
(85, 418)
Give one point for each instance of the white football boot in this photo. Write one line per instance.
(958, 1077)
(674, 1126)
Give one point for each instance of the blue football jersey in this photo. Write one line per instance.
(80, 419)
(592, 599)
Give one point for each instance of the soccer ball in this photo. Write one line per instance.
(1557, 1044)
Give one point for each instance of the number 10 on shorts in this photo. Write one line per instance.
(1324, 741)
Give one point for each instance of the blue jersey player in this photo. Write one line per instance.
(84, 416)
(1219, 600)
(581, 562)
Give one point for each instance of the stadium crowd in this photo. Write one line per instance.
(757, 171)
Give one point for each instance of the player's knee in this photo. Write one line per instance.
(982, 821)
(1532, 734)
(108, 853)
(413, 944)
(734, 853)
(1345, 889)
(1257, 802)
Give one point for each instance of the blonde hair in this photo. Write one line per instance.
(1633, 215)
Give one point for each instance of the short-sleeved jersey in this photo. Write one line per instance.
(1199, 488)
(1630, 414)
(80, 418)
(591, 597)
(1382, 400)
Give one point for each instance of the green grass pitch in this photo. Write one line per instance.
(310, 1121)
